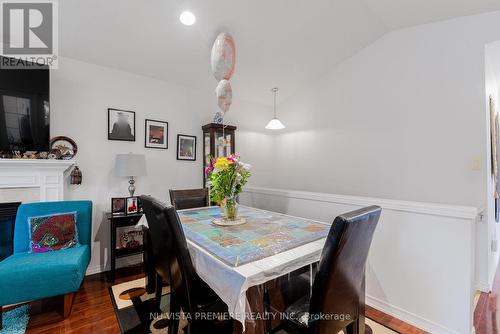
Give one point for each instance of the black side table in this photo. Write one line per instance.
(117, 221)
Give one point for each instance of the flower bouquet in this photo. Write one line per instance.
(227, 176)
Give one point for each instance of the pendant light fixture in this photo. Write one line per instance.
(275, 123)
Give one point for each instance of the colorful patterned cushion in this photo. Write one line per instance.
(53, 232)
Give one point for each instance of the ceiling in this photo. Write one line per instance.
(284, 43)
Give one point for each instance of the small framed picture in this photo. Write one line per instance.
(121, 125)
(132, 205)
(139, 205)
(186, 147)
(156, 134)
(118, 206)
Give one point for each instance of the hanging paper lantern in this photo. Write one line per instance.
(224, 94)
(75, 177)
(223, 57)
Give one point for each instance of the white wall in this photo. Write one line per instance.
(80, 96)
(404, 119)
(421, 261)
(401, 119)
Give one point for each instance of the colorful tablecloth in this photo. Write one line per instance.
(264, 234)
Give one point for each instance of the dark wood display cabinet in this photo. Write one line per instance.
(218, 140)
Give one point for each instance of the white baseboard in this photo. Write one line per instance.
(408, 317)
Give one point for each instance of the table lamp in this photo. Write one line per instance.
(130, 165)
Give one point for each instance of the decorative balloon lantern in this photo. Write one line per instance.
(223, 59)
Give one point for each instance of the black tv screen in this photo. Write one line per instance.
(24, 109)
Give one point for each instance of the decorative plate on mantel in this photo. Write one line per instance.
(62, 147)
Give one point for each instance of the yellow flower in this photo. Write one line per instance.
(222, 163)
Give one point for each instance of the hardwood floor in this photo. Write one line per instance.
(93, 311)
(487, 313)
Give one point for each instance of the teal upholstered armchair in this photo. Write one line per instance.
(28, 276)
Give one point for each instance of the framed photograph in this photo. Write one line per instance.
(156, 134)
(121, 125)
(139, 205)
(118, 206)
(132, 205)
(186, 147)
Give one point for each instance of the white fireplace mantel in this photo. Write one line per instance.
(47, 175)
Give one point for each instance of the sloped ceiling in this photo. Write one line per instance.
(285, 43)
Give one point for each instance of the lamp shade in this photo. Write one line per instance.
(130, 165)
(275, 124)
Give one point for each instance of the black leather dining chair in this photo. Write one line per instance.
(189, 198)
(337, 299)
(188, 291)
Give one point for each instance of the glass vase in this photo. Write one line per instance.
(230, 208)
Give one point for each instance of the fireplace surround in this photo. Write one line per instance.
(7, 219)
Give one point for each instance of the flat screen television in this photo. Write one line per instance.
(24, 109)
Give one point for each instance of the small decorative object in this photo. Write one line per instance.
(129, 238)
(66, 146)
(118, 206)
(54, 154)
(275, 123)
(228, 176)
(6, 155)
(218, 118)
(223, 57)
(224, 94)
(75, 177)
(29, 155)
(186, 147)
(121, 125)
(130, 165)
(139, 205)
(132, 205)
(42, 155)
(156, 134)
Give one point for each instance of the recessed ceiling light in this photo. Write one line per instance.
(187, 18)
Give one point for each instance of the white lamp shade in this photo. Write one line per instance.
(275, 124)
(130, 165)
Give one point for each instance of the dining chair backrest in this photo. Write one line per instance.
(165, 227)
(339, 283)
(159, 233)
(189, 198)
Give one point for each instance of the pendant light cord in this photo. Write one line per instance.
(275, 91)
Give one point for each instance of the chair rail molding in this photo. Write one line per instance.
(46, 175)
(464, 212)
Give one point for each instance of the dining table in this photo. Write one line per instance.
(239, 262)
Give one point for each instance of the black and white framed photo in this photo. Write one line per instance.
(132, 205)
(186, 147)
(118, 206)
(121, 125)
(156, 134)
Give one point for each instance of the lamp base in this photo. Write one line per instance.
(131, 187)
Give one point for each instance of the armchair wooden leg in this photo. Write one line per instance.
(68, 303)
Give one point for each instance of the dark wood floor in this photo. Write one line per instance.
(487, 313)
(93, 311)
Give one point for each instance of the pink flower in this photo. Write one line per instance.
(208, 170)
